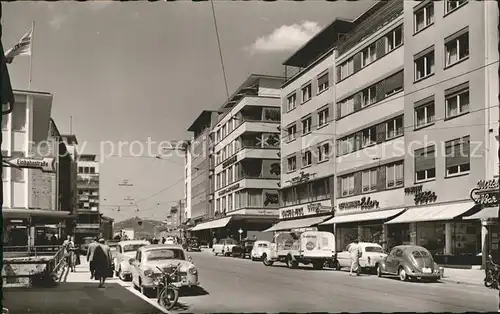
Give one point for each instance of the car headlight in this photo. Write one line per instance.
(193, 270)
(148, 273)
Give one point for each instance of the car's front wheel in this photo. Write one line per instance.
(402, 274)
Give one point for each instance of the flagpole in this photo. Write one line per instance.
(31, 54)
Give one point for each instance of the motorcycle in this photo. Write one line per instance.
(492, 273)
(167, 292)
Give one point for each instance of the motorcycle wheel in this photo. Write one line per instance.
(488, 284)
(168, 297)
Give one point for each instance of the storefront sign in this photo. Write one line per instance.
(413, 189)
(229, 162)
(488, 185)
(316, 208)
(229, 189)
(363, 203)
(44, 164)
(486, 193)
(425, 197)
(303, 177)
(88, 226)
(292, 212)
(305, 209)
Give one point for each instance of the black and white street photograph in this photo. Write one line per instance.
(250, 156)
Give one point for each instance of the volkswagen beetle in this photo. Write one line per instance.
(409, 262)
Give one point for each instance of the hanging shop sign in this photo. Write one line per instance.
(364, 203)
(229, 162)
(486, 193)
(229, 189)
(425, 197)
(44, 164)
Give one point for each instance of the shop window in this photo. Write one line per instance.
(425, 164)
(458, 156)
(368, 55)
(424, 65)
(457, 101)
(394, 39)
(432, 236)
(17, 175)
(291, 102)
(394, 128)
(306, 158)
(424, 115)
(456, 49)
(451, 5)
(347, 185)
(292, 132)
(292, 163)
(255, 198)
(369, 179)
(323, 83)
(424, 16)
(395, 175)
(306, 93)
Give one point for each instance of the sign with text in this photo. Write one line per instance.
(302, 178)
(87, 226)
(229, 162)
(364, 203)
(305, 209)
(392, 198)
(486, 193)
(413, 189)
(229, 189)
(44, 164)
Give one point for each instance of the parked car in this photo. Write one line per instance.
(372, 253)
(167, 257)
(258, 249)
(193, 244)
(243, 249)
(409, 262)
(125, 251)
(224, 247)
(113, 246)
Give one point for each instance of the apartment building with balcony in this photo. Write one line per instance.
(88, 215)
(246, 158)
(187, 181)
(450, 120)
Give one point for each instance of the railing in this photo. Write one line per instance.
(30, 251)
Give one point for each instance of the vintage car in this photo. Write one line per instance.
(224, 247)
(126, 250)
(193, 244)
(371, 254)
(243, 249)
(145, 264)
(409, 262)
(113, 246)
(259, 247)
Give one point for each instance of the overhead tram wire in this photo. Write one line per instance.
(220, 49)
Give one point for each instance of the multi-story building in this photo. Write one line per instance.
(88, 215)
(246, 159)
(187, 181)
(307, 131)
(451, 116)
(34, 200)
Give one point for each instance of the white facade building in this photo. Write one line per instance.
(187, 182)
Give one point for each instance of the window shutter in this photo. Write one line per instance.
(339, 77)
(458, 152)
(380, 90)
(380, 129)
(423, 161)
(393, 82)
(381, 178)
(358, 182)
(357, 62)
(357, 102)
(380, 47)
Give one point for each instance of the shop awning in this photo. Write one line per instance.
(214, 224)
(433, 213)
(378, 215)
(485, 213)
(297, 223)
(26, 213)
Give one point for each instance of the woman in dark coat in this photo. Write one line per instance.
(102, 262)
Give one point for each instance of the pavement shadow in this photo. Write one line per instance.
(192, 292)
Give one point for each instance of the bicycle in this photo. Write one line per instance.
(492, 273)
(167, 292)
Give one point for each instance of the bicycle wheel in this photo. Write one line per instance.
(168, 297)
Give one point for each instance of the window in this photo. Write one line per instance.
(323, 83)
(346, 145)
(324, 152)
(17, 175)
(230, 202)
(458, 156)
(92, 170)
(425, 164)
(369, 179)
(292, 163)
(395, 175)
(306, 158)
(457, 103)
(323, 117)
(457, 49)
(255, 198)
(306, 93)
(369, 96)
(230, 175)
(219, 209)
(86, 170)
(347, 185)
(424, 66)
(368, 55)
(224, 204)
(224, 177)
(424, 17)
(394, 128)
(346, 106)
(369, 136)
(451, 5)
(347, 68)
(424, 115)
(80, 169)
(224, 131)
(292, 131)
(4, 172)
(291, 102)
(218, 183)
(394, 39)
(306, 125)
(219, 135)
(18, 116)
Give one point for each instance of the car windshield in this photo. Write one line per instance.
(420, 254)
(132, 247)
(164, 254)
(262, 245)
(375, 249)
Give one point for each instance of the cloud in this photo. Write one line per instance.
(286, 37)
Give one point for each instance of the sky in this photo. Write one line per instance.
(127, 72)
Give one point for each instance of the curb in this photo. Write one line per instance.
(461, 282)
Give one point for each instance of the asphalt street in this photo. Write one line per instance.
(236, 285)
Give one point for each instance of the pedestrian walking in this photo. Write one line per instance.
(163, 240)
(355, 253)
(214, 241)
(68, 247)
(102, 262)
(90, 257)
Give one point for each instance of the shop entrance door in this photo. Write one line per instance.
(398, 234)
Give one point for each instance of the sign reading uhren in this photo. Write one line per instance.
(44, 164)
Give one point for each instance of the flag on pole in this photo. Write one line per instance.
(22, 48)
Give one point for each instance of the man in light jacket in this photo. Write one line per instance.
(90, 257)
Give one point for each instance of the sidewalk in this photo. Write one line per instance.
(78, 294)
(464, 276)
